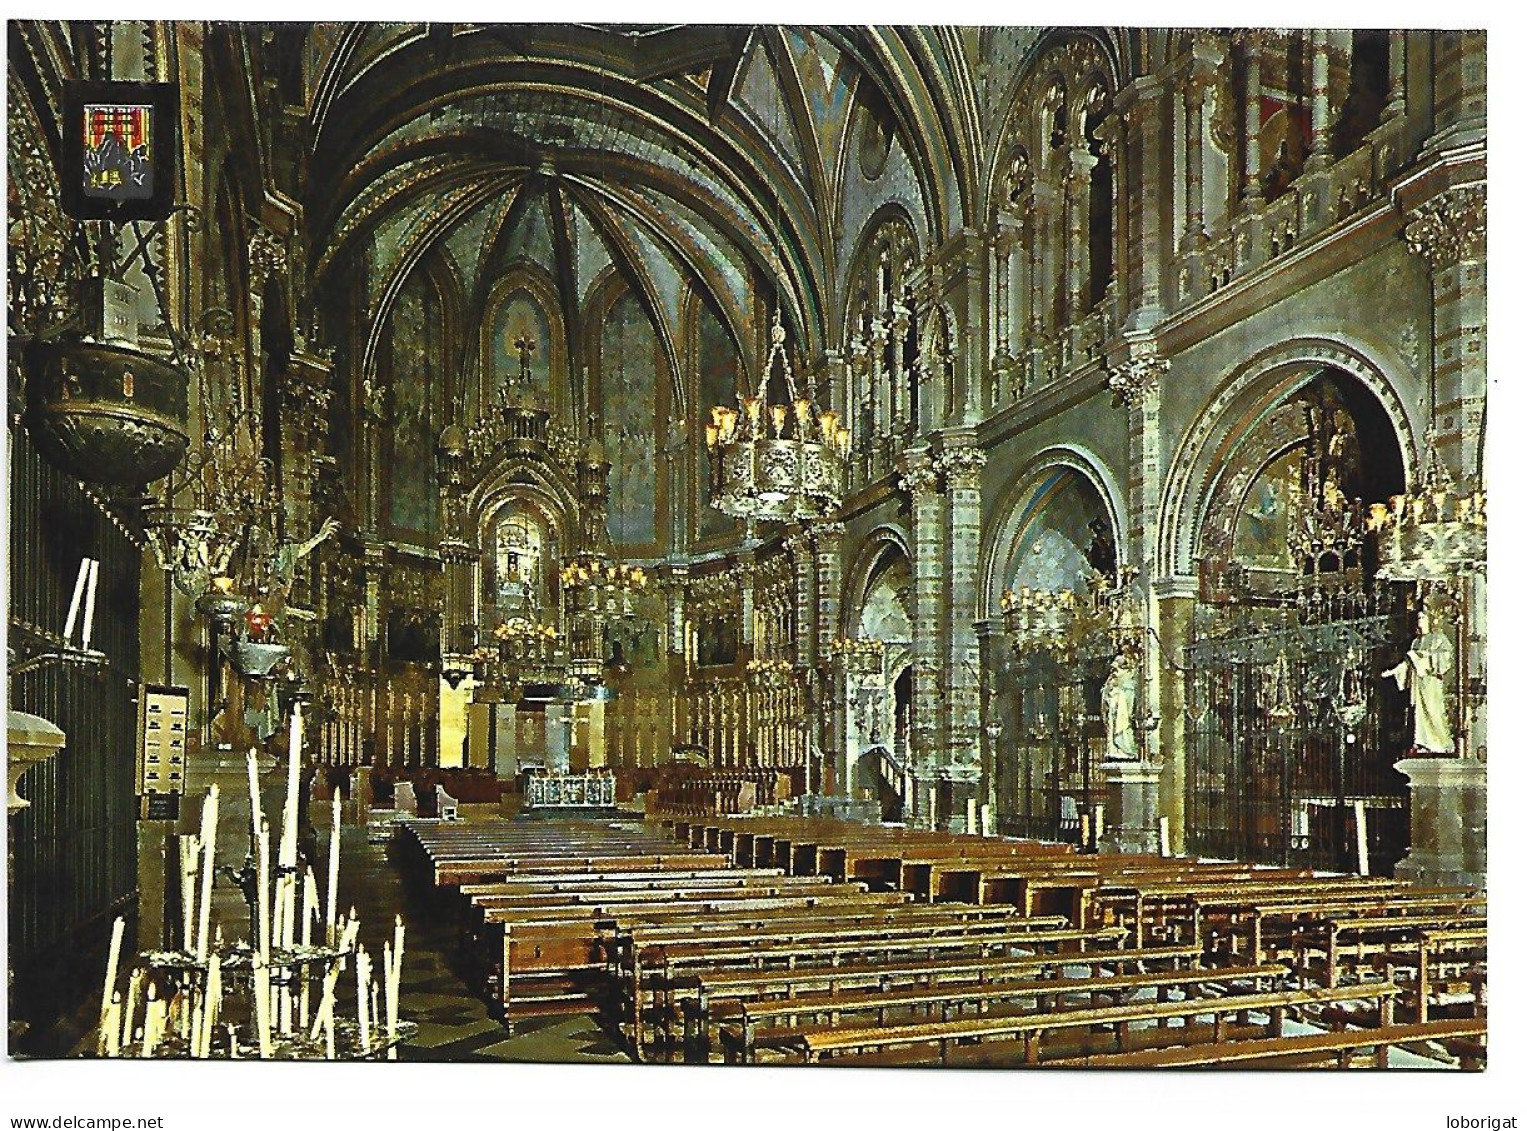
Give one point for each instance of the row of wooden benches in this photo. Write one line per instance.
(698, 953)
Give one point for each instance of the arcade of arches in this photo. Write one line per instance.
(1128, 328)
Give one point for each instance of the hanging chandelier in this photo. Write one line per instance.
(776, 462)
(1434, 532)
(217, 514)
(523, 651)
(595, 584)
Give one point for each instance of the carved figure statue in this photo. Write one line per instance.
(1424, 673)
(1119, 692)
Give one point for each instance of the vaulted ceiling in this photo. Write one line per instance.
(721, 158)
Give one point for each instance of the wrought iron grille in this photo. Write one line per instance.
(1290, 724)
(1047, 770)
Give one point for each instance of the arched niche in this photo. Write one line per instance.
(523, 307)
(1328, 439)
(1055, 526)
(1249, 402)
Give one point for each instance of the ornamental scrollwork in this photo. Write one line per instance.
(1450, 228)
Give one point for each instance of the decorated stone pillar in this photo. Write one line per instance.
(1136, 383)
(1250, 46)
(961, 463)
(920, 480)
(1001, 245)
(1143, 104)
(827, 540)
(1394, 97)
(1320, 101)
(1448, 231)
(1195, 87)
(1078, 199)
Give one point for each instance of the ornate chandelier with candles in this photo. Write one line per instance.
(1432, 533)
(776, 462)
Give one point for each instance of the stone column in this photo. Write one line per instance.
(1394, 97)
(1195, 87)
(1448, 231)
(1002, 355)
(1172, 619)
(1320, 101)
(798, 544)
(1250, 44)
(920, 480)
(746, 574)
(828, 541)
(1078, 197)
(961, 466)
(1143, 105)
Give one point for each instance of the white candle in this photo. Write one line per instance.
(293, 775)
(362, 998)
(95, 572)
(1097, 824)
(130, 1010)
(1166, 838)
(1360, 820)
(309, 910)
(113, 1026)
(233, 1041)
(391, 1010)
(262, 850)
(212, 1004)
(333, 893)
(74, 602)
(262, 1006)
(151, 1013)
(188, 852)
(209, 851)
(113, 957)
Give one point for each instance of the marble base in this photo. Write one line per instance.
(1447, 822)
(1132, 818)
(29, 739)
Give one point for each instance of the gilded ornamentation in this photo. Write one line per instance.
(267, 257)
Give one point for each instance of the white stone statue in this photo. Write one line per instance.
(1424, 673)
(1119, 691)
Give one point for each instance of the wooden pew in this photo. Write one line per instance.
(1301, 1051)
(714, 996)
(740, 1041)
(931, 1042)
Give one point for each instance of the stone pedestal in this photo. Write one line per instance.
(29, 739)
(1132, 819)
(1447, 822)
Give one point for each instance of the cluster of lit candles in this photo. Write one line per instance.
(1438, 505)
(858, 646)
(582, 571)
(727, 424)
(281, 955)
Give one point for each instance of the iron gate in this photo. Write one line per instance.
(1291, 726)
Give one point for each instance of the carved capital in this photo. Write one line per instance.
(826, 531)
(962, 466)
(1449, 228)
(267, 257)
(1137, 377)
